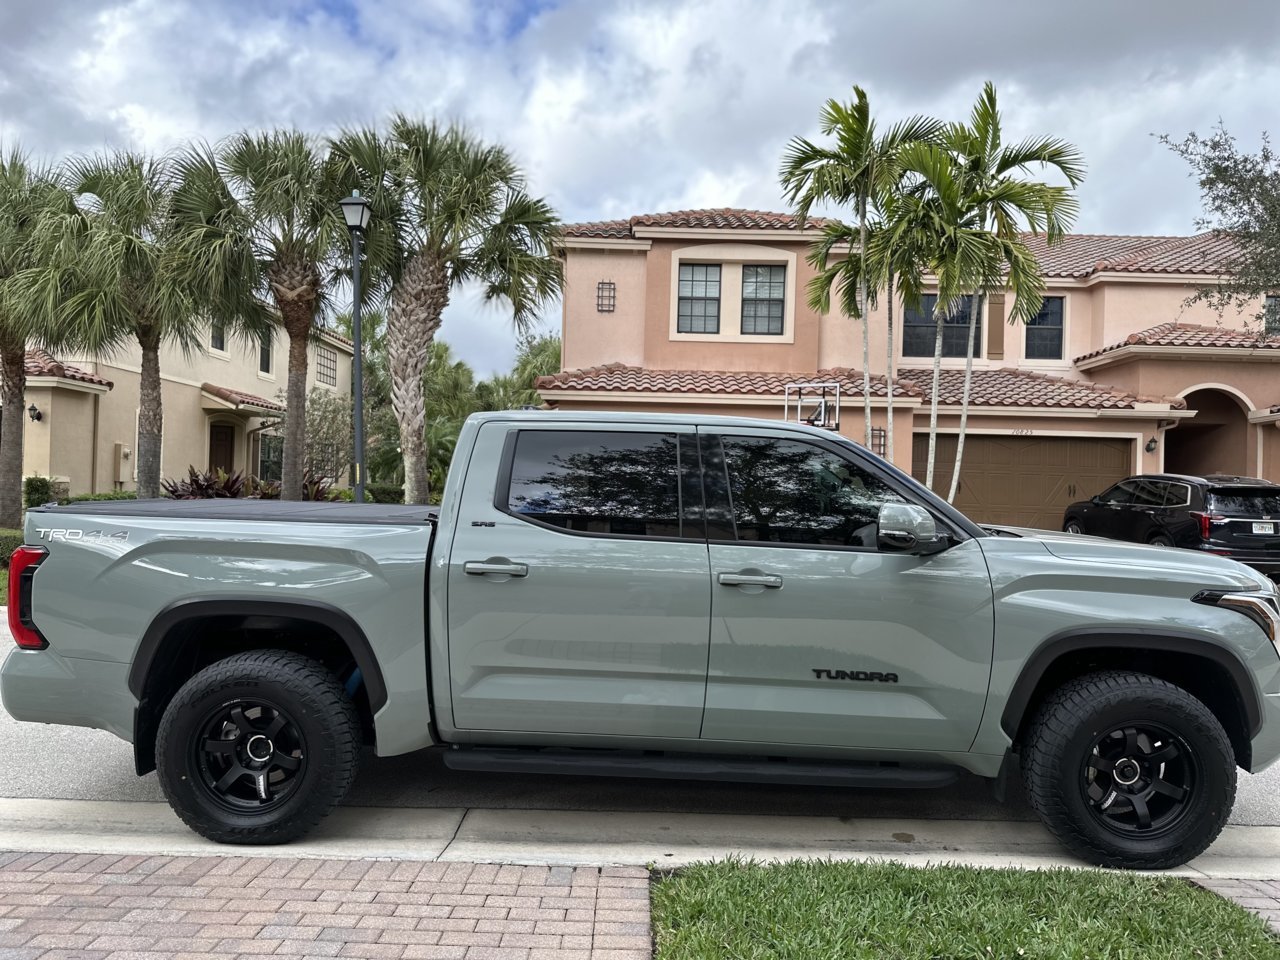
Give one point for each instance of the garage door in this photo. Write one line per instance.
(1024, 481)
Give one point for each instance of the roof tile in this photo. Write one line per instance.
(240, 398)
(1190, 335)
(1009, 387)
(719, 218)
(39, 363)
(620, 377)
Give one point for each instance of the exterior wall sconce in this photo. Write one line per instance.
(1151, 445)
(34, 413)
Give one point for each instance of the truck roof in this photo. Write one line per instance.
(683, 419)
(282, 511)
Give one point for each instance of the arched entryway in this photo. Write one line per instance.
(1216, 440)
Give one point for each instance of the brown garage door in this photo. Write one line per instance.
(1024, 481)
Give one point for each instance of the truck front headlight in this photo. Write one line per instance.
(1262, 608)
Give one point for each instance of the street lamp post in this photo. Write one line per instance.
(355, 210)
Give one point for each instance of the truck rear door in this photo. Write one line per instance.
(579, 584)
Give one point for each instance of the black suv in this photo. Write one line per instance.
(1237, 517)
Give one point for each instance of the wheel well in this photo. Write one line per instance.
(1203, 677)
(186, 647)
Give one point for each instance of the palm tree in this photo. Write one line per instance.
(449, 210)
(860, 169)
(104, 276)
(994, 199)
(259, 228)
(27, 192)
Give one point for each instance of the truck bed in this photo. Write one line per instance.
(278, 511)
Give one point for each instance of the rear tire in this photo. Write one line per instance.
(258, 748)
(1160, 540)
(1128, 770)
(1072, 526)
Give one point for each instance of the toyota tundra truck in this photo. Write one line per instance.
(648, 595)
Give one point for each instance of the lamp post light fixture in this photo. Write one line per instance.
(34, 413)
(357, 213)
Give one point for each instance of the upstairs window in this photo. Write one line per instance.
(218, 336)
(606, 296)
(762, 299)
(1044, 331)
(326, 366)
(1271, 316)
(264, 352)
(698, 310)
(919, 331)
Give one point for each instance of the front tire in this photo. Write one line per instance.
(1128, 770)
(1072, 526)
(1160, 540)
(258, 748)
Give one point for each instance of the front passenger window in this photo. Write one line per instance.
(789, 491)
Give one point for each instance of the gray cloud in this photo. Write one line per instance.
(626, 107)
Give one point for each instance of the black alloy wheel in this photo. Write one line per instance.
(250, 754)
(1138, 780)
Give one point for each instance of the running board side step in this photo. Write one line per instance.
(683, 766)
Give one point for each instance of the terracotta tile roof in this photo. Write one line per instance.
(1008, 387)
(720, 218)
(619, 377)
(239, 398)
(1190, 335)
(38, 363)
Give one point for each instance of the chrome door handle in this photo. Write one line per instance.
(749, 580)
(478, 568)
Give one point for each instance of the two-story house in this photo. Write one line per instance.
(705, 310)
(221, 408)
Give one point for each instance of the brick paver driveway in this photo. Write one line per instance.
(149, 908)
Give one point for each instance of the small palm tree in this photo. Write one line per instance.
(104, 275)
(448, 210)
(259, 233)
(27, 193)
(861, 169)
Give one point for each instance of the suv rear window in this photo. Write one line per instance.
(1244, 501)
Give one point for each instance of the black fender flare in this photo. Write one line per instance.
(1072, 641)
(312, 611)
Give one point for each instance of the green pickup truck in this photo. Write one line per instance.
(650, 596)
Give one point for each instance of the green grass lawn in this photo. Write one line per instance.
(810, 910)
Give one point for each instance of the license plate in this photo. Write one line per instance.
(1264, 528)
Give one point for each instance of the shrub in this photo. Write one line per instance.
(263, 489)
(343, 494)
(10, 540)
(37, 491)
(316, 488)
(205, 485)
(94, 497)
(384, 492)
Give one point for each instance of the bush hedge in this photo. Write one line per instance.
(92, 497)
(10, 540)
(384, 492)
(37, 491)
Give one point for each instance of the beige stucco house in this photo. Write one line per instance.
(705, 310)
(220, 407)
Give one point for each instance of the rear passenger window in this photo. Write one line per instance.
(602, 482)
(1149, 493)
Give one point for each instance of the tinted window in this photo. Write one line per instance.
(1245, 501)
(597, 481)
(1120, 493)
(1177, 495)
(788, 491)
(1044, 331)
(919, 331)
(1148, 493)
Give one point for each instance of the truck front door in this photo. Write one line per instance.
(579, 584)
(818, 637)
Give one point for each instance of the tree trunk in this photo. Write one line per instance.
(866, 322)
(13, 385)
(293, 467)
(975, 311)
(413, 317)
(888, 411)
(938, 319)
(150, 416)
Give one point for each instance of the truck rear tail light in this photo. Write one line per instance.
(1206, 520)
(22, 571)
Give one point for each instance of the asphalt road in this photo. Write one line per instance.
(71, 763)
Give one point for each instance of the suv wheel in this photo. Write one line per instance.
(258, 748)
(1128, 770)
(1160, 540)
(1073, 526)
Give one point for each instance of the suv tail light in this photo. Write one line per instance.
(22, 571)
(1206, 520)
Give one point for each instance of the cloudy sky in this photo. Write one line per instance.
(617, 108)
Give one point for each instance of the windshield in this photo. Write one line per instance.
(1245, 501)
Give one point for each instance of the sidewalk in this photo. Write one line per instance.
(95, 907)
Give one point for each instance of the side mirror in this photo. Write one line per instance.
(1096, 500)
(908, 528)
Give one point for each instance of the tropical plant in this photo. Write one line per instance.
(448, 210)
(205, 485)
(860, 169)
(105, 275)
(259, 230)
(26, 193)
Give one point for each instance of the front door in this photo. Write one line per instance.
(819, 638)
(222, 446)
(579, 588)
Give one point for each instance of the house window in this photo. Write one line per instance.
(919, 331)
(698, 310)
(762, 299)
(264, 352)
(326, 366)
(270, 457)
(606, 296)
(1271, 316)
(1044, 331)
(218, 336)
